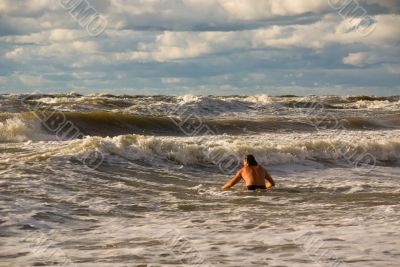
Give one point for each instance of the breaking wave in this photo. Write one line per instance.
(200, 105)
(72, 125)
(19, 128)
(216, 149)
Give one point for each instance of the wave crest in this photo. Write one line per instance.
(18, 128)
(187, 151)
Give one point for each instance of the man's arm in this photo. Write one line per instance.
(233, 181)
(270, 182)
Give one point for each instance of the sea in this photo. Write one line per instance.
(135, 180)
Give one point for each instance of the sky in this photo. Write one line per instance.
(203, 47)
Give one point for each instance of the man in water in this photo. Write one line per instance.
(253, 174)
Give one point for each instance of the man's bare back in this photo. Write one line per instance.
(253, 174)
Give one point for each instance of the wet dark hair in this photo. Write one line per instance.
(251, 160)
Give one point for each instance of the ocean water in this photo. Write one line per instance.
(104, 180)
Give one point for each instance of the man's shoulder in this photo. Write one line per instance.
(240, 170)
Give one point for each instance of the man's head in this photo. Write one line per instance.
(250, 161)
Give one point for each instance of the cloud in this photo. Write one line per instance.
(27, 8)
(172, 80)
(358, 59)
(3, 80)
(257, 10)
(392, 68)
(46, 37)
(14, 54)
(31, 80)
(220, 44)
(391, 5)
(70, 50)
(171, 46)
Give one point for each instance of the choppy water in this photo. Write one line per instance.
(106, 180)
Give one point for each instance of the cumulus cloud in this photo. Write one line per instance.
(46, 37)
(31, 80)
(172, 80)
(189, 13)
(233, 43)
(170, 46)
(27, 8)
(357, 59)
(15, 54)
(256, 10)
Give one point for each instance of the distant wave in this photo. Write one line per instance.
(18, 127)
(201, 105)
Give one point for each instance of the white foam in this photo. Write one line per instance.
(259, 99)
(19, 129)
(189, 99)
(377, 104)
(268, 148)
